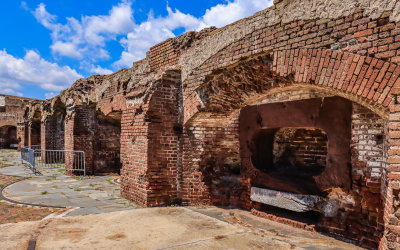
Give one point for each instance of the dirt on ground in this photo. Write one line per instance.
(10, 212)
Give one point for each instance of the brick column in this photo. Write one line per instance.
(21, 135)
(150, 145)
(52, 135)
(44, 139)
(79, 135)
(391, 239)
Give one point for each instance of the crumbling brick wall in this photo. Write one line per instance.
(12, 111)
(300, 148)
(362, 217)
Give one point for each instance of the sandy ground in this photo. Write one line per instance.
(163, 228)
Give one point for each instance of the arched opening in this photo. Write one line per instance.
(55, 127)
(107, 144)
(8, 137)
(35, 130)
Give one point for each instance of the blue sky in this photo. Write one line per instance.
(46, 45)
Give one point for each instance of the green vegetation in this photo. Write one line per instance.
(110, 180)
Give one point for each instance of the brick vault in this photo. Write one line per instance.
(301, 99)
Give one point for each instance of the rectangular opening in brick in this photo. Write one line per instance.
(293, 154)
(107, 145)
(288, 144)
(319, 153)
(291, 151)
(35, 131)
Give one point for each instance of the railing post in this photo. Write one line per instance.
(32, 157)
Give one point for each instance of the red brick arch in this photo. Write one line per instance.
(365, 80)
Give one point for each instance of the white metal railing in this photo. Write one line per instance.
(54, 159)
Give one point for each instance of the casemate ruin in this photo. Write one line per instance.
(292, 113)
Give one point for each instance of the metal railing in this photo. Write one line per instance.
(54, 159)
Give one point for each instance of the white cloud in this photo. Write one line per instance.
(24, 5)
(223, 14)
(94, 69)
(151, 32)
(155, 30)
(9, 91)
(33, 70)
(99, 70)
(66, 49)
(50, 95)
(86, 38)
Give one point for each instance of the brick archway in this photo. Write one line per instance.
(365, 80)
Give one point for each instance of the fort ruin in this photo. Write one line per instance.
(299, 100)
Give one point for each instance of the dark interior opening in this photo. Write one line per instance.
(308, 218)
(36, 129)
(8, 137)
(107, 145)
(58, 126)
(291, 151)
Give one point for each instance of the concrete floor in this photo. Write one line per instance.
(163, 228)
(90, 194)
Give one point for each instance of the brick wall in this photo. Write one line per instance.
(356, 33)
(21, 135)
(12, 109)
(211, 172)
(52, 134)
(34, 133)
(79, 135)
(163, 54)
(391, 237)
(301, 148)
(211, 162)
(151, 134)
(8, 136)
(107, 146)
(362, 218)
(134, 146)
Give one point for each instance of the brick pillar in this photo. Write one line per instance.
(43, 139)
(50, 130)
(391, 239)
(150, 145)
(29, 132)
(79, 135)
(26, 134)
(21, 135)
